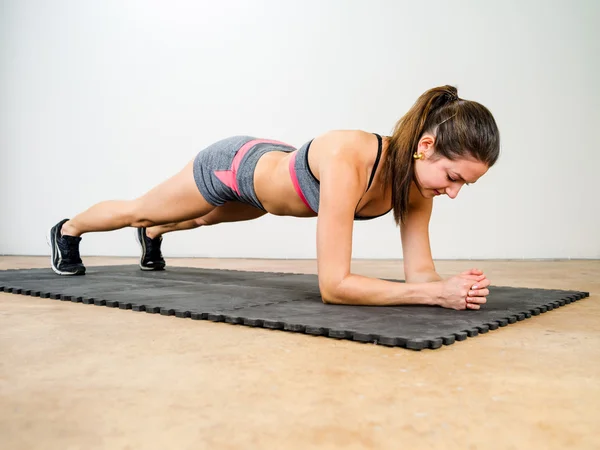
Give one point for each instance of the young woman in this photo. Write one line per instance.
(440, 144)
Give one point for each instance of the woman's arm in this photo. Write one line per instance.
(343, 181)
(342, 185)
(416, 249)
(418, 262)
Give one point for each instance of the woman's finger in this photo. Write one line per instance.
(478, 293)
(480, 284)
(474, 278)
(476, 300)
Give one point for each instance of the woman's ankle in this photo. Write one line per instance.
(69, 230)
(153, 232)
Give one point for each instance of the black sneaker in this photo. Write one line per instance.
(151, 258)
(64, 252)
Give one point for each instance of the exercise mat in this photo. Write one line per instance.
(282, 301)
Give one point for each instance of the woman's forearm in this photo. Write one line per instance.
(361, 290)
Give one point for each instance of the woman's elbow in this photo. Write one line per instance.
(331, 300)
(330, 293)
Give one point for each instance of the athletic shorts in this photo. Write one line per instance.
(224, 171)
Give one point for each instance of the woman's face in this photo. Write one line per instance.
(436, 175)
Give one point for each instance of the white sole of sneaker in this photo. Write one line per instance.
(54, 268)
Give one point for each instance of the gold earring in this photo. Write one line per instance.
(418, 155)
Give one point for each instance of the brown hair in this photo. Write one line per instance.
(461, 127)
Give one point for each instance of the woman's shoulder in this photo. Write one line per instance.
(357, 148)
(349, 138)
(347, 144)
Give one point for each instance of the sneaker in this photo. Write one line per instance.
(151, 258)
(64, 252)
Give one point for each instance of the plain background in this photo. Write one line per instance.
(105, 99)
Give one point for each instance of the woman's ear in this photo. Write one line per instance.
(426, 145)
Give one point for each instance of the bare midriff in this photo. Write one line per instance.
(274, 188)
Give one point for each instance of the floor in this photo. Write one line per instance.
(75, 376)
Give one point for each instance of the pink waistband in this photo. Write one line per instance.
(229, 177)
(295, 179)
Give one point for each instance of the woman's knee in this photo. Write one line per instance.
(201, 221)
(139, 216)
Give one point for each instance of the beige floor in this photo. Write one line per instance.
(74, 376)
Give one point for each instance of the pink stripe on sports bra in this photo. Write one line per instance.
(295, 179)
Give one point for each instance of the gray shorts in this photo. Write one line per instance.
(224, 171)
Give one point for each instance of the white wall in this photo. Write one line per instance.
(104, 99)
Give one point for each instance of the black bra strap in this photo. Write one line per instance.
(379, 141)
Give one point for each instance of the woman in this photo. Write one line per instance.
(442, 143)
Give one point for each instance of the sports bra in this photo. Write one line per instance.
(308, 187)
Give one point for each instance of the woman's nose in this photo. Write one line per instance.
(453, 190)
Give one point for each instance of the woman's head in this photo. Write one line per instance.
(441, 143)
(436, 174)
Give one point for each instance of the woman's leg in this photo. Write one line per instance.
(176, 199)
(150, 239)
(229, 212)
(158, 230)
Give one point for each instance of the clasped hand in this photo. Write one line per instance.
(467, 290)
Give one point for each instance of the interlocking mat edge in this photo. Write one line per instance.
(262, 299)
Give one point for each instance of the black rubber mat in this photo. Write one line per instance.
(289, 302)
